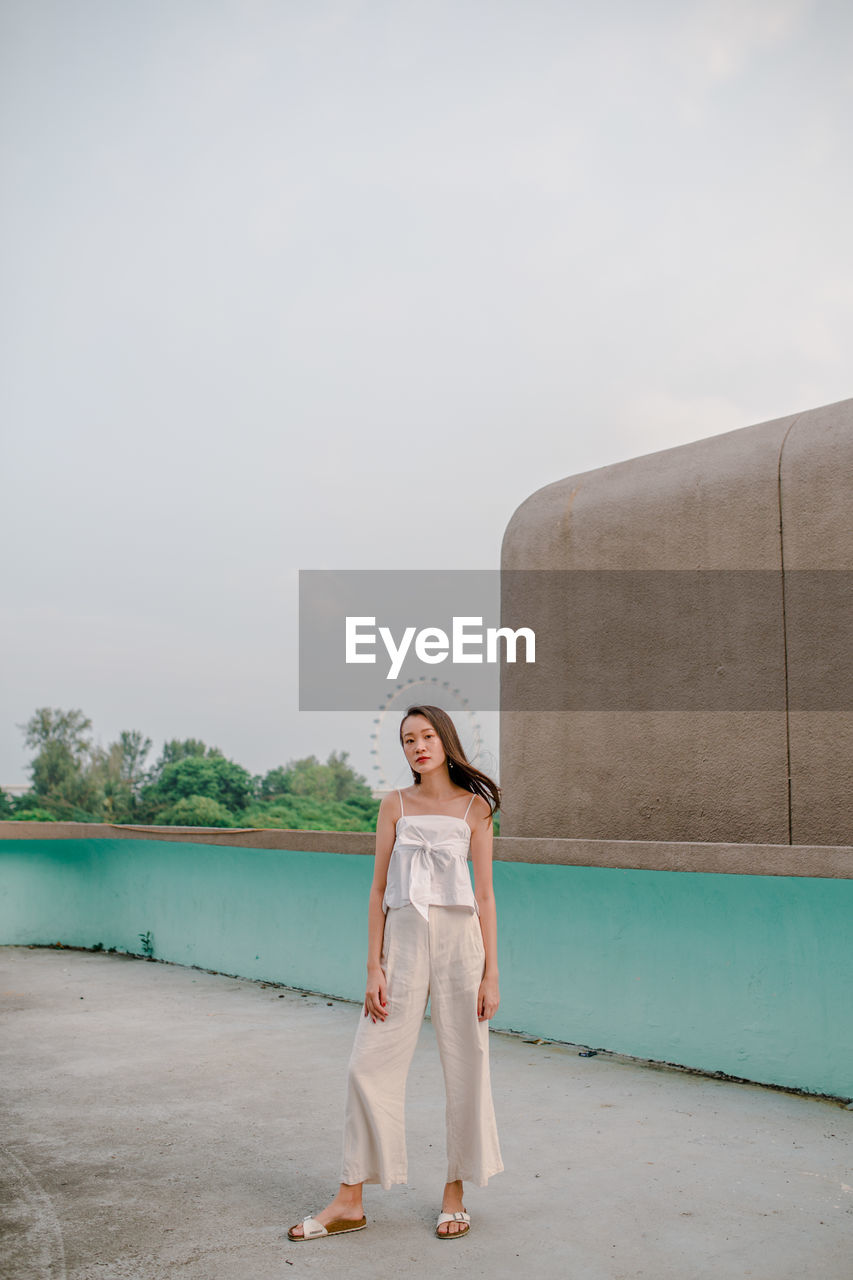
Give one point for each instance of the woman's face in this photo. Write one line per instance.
(422, 745)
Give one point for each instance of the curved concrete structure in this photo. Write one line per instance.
(816, 518)
(769, 499)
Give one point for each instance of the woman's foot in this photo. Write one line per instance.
(347, 1205)
(452, 1203)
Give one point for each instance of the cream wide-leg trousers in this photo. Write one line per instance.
(441, 959)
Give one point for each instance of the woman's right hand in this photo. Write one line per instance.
(376, 996)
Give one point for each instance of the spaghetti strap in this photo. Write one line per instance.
(470, 802)
(400, 794)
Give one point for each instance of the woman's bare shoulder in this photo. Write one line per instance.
(480, 808)
(389, 806)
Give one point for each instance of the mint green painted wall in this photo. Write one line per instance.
(294, 917)
(750, 975)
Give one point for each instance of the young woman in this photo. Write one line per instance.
(429, 936)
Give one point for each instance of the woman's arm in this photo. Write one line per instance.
(376, 995)
(488, 997)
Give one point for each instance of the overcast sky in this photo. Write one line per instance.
(338, 285)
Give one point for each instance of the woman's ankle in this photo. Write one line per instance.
(452, 1195)
(349, 1194)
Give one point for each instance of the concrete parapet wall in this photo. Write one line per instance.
(830, 861)
(719, 970)
(773, 497)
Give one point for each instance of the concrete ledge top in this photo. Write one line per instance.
(820, 861)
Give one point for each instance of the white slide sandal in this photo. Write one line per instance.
(453, 1217)
(314, 1230)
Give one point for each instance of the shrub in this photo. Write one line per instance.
(196, 811)
(35, 814)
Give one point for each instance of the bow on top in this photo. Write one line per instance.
(428, 857)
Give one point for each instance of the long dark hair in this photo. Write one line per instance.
(462, 772)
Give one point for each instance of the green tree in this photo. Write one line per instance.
(348, 785)
(190, 784)
(196, 811)
(61, 778)
(308, 777)
(274, 783)
(306, 814)
(120, 770)
(60, 740)
(333, 781)
(196, 775)
(179, 749)
(49, 724)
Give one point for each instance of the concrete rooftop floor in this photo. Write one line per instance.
(161, 1121)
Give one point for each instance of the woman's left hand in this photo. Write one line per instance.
(488, 999)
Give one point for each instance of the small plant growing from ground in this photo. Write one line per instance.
(147, 944)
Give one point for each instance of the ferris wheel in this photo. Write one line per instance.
(389, 768)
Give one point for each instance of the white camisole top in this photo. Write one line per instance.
(429, 863)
